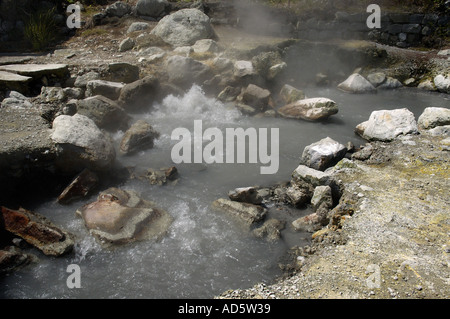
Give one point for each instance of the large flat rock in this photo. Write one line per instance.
(36, 70)
(14, 81)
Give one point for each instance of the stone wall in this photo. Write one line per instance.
(402, 30)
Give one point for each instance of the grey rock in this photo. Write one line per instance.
(376, 79)
(52, 94)
(245, 195)
(108, 89)
(390, 84)
(137, 26)
(442, 83)
(249, 214)
(118, 9)
(314, 109)
(243, 68)
(433, 117)
(184, 27)
(105, 113)
(206, 46)
(256, 97)
(304, 174)
(81, 144)
(323, 154)
(82, 80)
(120, 217)
(140, 94)
(140, 136)
(185, 71)
(385, 125)
(356, 83)
(151, 8)
(122, 72)
(126, 45)
(322, 198)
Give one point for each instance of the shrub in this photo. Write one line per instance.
(40, 29)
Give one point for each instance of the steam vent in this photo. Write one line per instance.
(217, 150)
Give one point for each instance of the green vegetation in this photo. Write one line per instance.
(40, 29)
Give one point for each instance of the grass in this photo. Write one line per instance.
(40, 29)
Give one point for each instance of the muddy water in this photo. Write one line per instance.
(205, 252)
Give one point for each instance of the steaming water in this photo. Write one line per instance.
(205, 252)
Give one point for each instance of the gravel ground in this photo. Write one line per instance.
(395, 245)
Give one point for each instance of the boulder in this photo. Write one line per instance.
(290, 94)
(249, 214)
(385, 125)
(79, 188)
(184, 27)
(12, 81)
(81, 144)
(256, 97)
(184, 71)
(356, 83)
(206, 46)
(52, 94)
(304, 174)
(314, 109)
(323, 154)
(37, 71)
(138, 26)
(377, 78)
(126, 44)
(442, 83)
(12, 259)
(433, 117)
(38, 231)
(297, 196)
(105, 113)
(245, 195)
(151, 8)
(122, 72)
(138, 137)
(243, 68)
(108, 89)
(140, 94)
(82, 80)
(16, 100)
(119, 217)
(322, 198)
(118, 9)
(390, 84)
(271, 229)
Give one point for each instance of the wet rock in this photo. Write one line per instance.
(427, 85)
(249, 214)
(276, 70)
(314, 109)
(310, 223)
(160, 177)
(184, 27)
(140, 94)
(105, 113)
(323, 154)
(126, 44)
(108, 89)
(80, 187)
(246, 195)
(263, 62)
(122, 72)
(256, 97)
(81, 144)
(271, 229)
(184, 71)
(442, 83)
(118, 9)
(385, 125)
(121, 217)
(290, 94)
(243, 69)
(297, 196)
(38, 231)
(138, 137)
(229, 94)
(433, 117)
(151, 8)
(137, 26)
(356, 83)
(322, 198)
(12, 259)
(304, 174)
